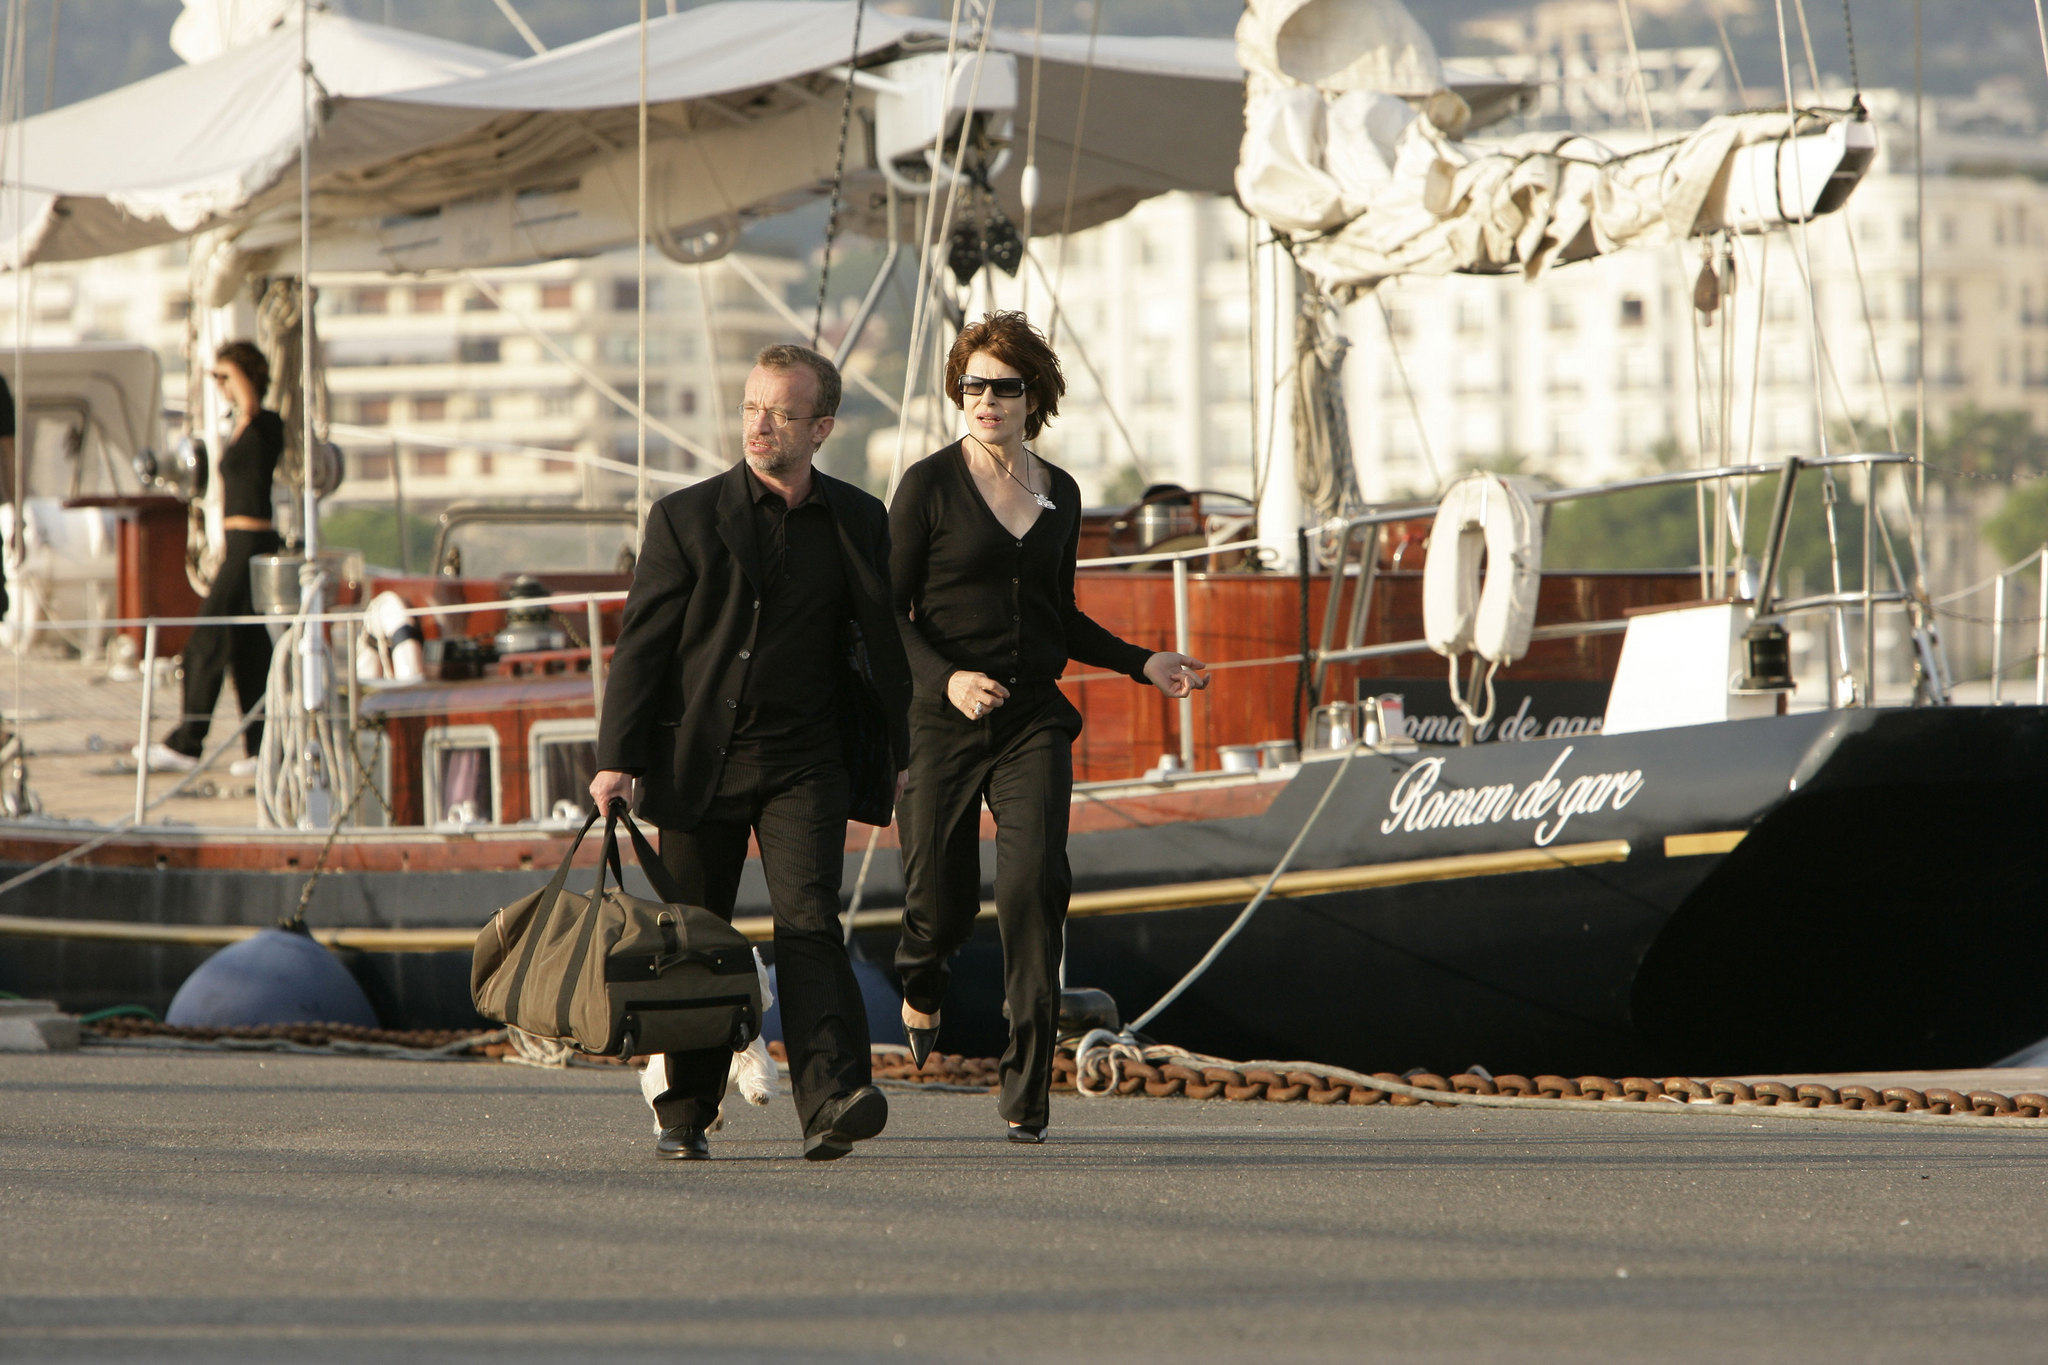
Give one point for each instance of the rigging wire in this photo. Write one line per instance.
(932, 281)
(1408, 387)
(1088, 364)
(1252, 907)
(1059, 273)
(860, 9)
(640, 499)
(1806, 37)
(1728, 50)
(12, 148)
(1027, 183)
(920, 294)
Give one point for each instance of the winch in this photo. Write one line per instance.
(529, 628)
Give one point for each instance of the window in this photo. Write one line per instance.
(557, 402)
(686, 402)
(558, 295)
(657, 398)
(480, 405)
(373, 412)
(479, 350)
(561, 756)
(459, 766)
(484, 462)
(373, 468)
(373, 301)
(1563, 316)
(429, 298)
(1631, 310)
(430, 407)
(479, 302)
(625, 296)
(430, 464)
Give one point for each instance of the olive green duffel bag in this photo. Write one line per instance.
(612, 974)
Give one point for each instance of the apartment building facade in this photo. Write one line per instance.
(445, 388)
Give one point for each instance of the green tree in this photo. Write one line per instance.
(374, 532)
(1124, 487)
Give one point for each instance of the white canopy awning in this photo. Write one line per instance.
(745, 103)
(197, 145)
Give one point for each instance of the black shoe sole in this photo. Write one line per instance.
(682, 1154)
(862, 1119)
(1020, 1133)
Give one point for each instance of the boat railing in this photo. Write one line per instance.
(1351, 548)
(2000, 586)
(77, 709)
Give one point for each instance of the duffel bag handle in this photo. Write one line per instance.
(643, 852)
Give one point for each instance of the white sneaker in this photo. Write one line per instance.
(162, 758)
(243, 767)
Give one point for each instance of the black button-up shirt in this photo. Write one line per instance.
(982, 599)
(792, 672)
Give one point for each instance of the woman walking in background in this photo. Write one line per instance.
(984, 536)
(246, 467)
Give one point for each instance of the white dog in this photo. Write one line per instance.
(752, 1072)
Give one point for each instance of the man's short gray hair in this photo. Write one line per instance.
(787, 356)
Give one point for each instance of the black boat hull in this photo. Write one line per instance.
(1884, 906)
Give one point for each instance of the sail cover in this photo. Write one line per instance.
(1354, 147)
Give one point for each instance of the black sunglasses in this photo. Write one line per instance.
(974, 386)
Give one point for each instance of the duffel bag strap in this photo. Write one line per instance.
(650, 861)
(543, 912)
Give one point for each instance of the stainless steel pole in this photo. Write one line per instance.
(1997, 636)
(596, 619)
(142, 730)
(1180, 642)
(2041, 631)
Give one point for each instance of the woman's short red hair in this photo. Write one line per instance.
(1010, 338)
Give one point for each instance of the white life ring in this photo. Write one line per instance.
(1482, 514)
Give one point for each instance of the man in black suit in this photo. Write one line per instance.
(759, 685)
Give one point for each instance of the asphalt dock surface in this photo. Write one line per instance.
(181, 1206)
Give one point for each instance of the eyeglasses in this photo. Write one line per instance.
(974, 386)
(776, 416)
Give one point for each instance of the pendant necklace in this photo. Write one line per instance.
(1041, 499)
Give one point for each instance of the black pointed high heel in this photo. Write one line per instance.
(922, 1041)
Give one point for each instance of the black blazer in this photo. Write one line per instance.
(688, 633)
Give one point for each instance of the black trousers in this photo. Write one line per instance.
(215, 650)
(798, 814)
(1020, 760)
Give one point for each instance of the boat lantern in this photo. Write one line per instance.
(1767, 657)
(529, 628)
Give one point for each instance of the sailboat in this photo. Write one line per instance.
(1672, 871)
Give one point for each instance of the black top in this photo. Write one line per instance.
(975, 597)
(6, 415)
(787, 705)
(247, 465)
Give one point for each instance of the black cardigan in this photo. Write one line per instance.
(972, 596)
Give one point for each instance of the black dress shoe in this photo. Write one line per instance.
(845, 1120)
(1020, 1132)
(682, 1144)
(922, 1041)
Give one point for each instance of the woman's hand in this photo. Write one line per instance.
(1174, 674)
(975, 694)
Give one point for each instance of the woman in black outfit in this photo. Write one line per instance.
(984, 536)
(246, 467)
